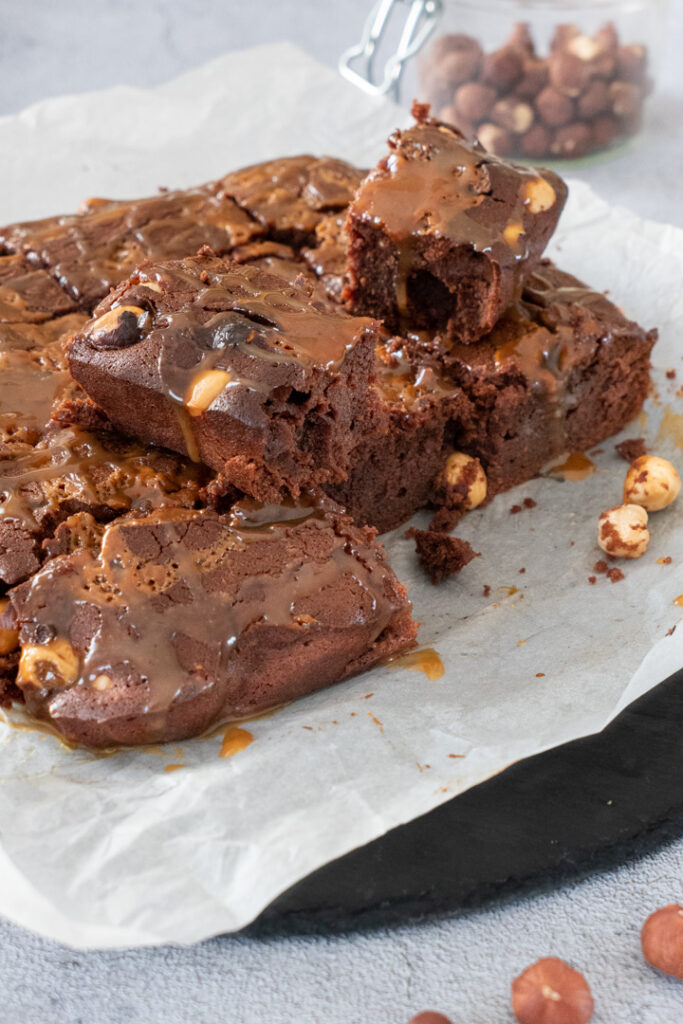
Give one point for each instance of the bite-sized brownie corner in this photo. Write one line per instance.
(70, 472)
(562, 370)
(442, 232)
(180, 619)
(291, 195)
(90, 252)
(441, 555)
(234, 367)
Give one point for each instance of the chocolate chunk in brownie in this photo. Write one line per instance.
(405, 444)
(562, 370)
(442, 232)
(29, 295)
(90, 252)
(70, 471)
(181, 619)
(442, 555)
(291, 195)
(234, 367)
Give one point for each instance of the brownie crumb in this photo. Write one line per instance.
(631, 449)
(600, 566)
(522, 570)
(515, 509)
(442, 555)
(529, 503)
(614, 575)
(671, 374)
(540, 675)
(670, 632)
(592, 579)
(487, 590)
(446, 519)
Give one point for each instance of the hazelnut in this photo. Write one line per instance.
(555, 108)
(594, 100)
(652, 483)
(502, 68)
(533, 80)
(204, 389)
(474, 101)
(513, 232)
(9, 634)
(662, 940)
(513, 115)
(607, 37)
(584, 47)
(568, 73)
(464, 480)
(119, 327)
(536, 142)
(574, 140)
(632, 62)
(102, 682)
(562, 37)
(521, 39)
(430, 1017)
(52, 664)
(625, 99)
(495, 139)
(458, 66)
(623, 532)
(539, 195)
(455, 42)
(551, 992)
(605, 130)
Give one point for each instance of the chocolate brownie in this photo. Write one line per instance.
(291, 195)
(327, 256)
(32, 374)
(72, 471)
(181, 619)
(232, 366)
(29, 295)
(442, 555)
(405, 443)
(561, 371)
(442, 232)
(91, 251)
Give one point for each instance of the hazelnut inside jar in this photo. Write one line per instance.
(540, 80)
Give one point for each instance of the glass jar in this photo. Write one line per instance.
(533, 79)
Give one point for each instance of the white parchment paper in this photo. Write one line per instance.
(117, 851)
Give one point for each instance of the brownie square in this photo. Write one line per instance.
(234, 367)
(177, 620)
(442, 232)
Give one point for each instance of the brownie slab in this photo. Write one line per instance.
(234, 367)
(182, 619)
(562, 370)
(442, 232)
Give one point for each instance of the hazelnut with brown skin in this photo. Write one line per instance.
(512, 114)
(623, 532)
(573, 140)
(459, 66)
(605, 130)
(632, 63)
(569, 73)
(462, 482)
(521, 39)
(455, 42)
(474, 101)
(625, 100)
(534, 78)
(555, 108)
(495, 139)
(662, 940)
(595, 100)
(652, 483)
(551, 992)
(536, 142)
(502, 68)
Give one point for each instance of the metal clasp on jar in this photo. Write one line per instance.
(357, 64)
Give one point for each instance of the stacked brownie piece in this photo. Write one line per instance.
(212, 400)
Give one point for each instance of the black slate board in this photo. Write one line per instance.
(582, 807)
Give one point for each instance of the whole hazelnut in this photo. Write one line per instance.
(474, 101)
(652, 483)
(458, 66)
(568, 73)
(662, 940)
(605, 130)
(623, 532)
(595, 100)
(495, 139)
(430, 1017)
(463, 480)
(536, 142)
(625, 99)
(521, 39)
(632, 62)
(607, 37)
(502, 68)
(455, 42)
(514, 115)
(551, 992)
(555, 108)
(534, 78)
(562, 37)
(573, 140)
(119, 327)
(539, 195)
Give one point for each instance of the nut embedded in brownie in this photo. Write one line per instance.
(181, 619)
(231, 365)
(442, 232)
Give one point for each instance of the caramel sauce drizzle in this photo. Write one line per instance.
(424, 659)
